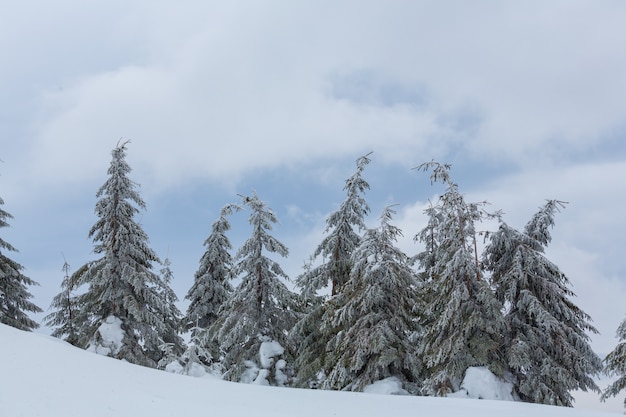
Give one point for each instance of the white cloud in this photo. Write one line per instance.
(215, 91)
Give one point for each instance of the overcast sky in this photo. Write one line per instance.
(525, 99)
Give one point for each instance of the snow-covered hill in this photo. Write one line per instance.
(42, 376)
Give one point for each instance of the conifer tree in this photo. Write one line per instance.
(309, 334)
(211, 286)
(199, 358)
(375, 311)
(547, 348)
(342, 239)
(67, 319)
(261, 309)
(170, 314)
(615, 365)
(14, 295)
(462, 319)
(124, 293)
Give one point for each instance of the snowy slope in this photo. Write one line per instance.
(42, 376)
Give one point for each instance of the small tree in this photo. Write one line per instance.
(616, 365)
(375, 314)
(261, 309)
(67, 318)
(14, 295)
(547, 348)
(461, 317)
(198, 359)
(170, 315)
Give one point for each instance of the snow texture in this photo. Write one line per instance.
(111, 337)
(387, 386)
(480, 383)
(70, 382)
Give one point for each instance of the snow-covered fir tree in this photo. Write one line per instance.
(615, 365)
(171, 316)
(261, 309)
(462, 319)
(336, 248)
(198, 359)
(375, 315)
(67, 317)
(343, 227)
(14, 295)
(211, 286)
(124, 297)
(547, 348)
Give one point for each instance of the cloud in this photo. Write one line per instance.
(218, 91)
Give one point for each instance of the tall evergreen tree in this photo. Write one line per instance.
(375, 311)
(616, 365)
(547, 348)
(336, 249)
(124, 293)
(14, 295)
(342, 239)
(462, 319)
(261, 309)
(67, 319)
(211, 286)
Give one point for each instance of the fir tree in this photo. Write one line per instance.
(336, 251)
(67, 318)
(615, 365)
(375, 314)
(211, 286)
(462, 319)
(170, 314)
(123, 289)
(199, 358)
(261, 309)
(547, 348)
(342, 239)
(14, 295)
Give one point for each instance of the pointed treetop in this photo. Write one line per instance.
(441, 172)
(538, 226)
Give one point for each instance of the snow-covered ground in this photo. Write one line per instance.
(42, 376)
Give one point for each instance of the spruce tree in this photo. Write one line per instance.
(124, 293)
(261, 309)
(462, 319)
(14, 295)
(615, 365)
(343, 227)
(68, 318)
(547, 348)
(375, 312)
(342, 239)
(171, 316)
(211, 286)
(199, 359)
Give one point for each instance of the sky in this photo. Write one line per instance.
(524, 99)
(54, 379)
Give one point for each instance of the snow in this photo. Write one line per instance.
(112, 337)
(43, 377)
(268, 351)
(387, 386)
(480, 383)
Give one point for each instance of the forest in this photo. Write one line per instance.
(364, 310)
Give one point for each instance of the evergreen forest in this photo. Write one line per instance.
(360, 311)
